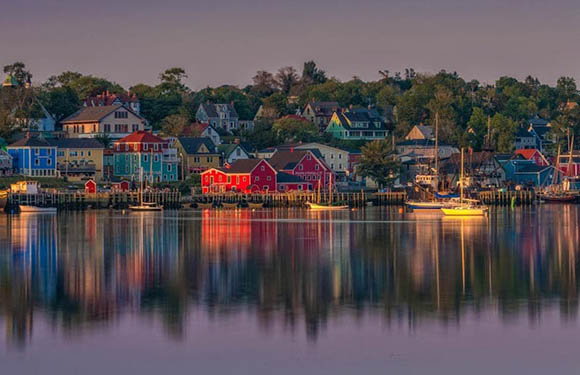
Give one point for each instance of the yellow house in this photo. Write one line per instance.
(79, 159)
(197, 154)
(115, 121)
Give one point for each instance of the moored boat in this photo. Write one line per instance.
(418, 205)
(558, 198)
(230, 206)
(36, 209)
(314, 206)
(204, 206)
(146, 206)
(253, 205)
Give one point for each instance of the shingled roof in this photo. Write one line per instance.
(93, 114)
(191, 145)
(242, 166)
(287, 160)
(76, 143)
(31, 142)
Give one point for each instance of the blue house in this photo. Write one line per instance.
(520, 171)
(33, 156)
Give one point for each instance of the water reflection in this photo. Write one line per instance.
(86, 270)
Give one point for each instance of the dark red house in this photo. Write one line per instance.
(90, 187)
(306, 164)
(287, 182)
(244, 176)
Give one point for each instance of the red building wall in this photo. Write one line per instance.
(262, 178)
(306, 169)
(293, 186)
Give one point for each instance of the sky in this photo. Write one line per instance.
(227, 41)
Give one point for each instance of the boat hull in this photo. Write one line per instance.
(145, 208)
(464, 211)
(230, 206)
(255, 205)
(425, 205)
(318, 207)
(34, 209)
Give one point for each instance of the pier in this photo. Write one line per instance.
(504, 198)
(82, 200)
(299, 199)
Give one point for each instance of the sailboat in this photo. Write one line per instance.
(329, 206)
(466, 207)
(144, 206)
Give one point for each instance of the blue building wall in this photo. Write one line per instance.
(34, 161)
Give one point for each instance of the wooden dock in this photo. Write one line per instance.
(505, 198)
(82, 200)
(294, 199)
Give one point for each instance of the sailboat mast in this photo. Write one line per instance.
(330, 190)
(461, 179)
(437, 143)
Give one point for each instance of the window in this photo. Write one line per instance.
(168, 167)
(145, 146)
(299, 187)
(49, 162)
(82, 153)
(244, 179)
(340, 156)
(229, 179)
(308, 157)
(121, 114)
(332, 156)
(156, 158)
(36, 151)
(135, 127)
(88, 153)
(107, 128)
(281, 187)
(256, 179)
(316, 167)
(145, 158)
(238, 152)
(72, 153)
(268, 178)
(36, 161)
(155, 146)
(301, 168)
(263, 168)
(237, 180)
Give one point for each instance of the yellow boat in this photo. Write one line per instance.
(465, 211)
(314, 206)
(466, 207)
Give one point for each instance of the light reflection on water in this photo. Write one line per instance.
(293, 273)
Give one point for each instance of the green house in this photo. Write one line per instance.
(357, 124)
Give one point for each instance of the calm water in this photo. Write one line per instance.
(290, 291)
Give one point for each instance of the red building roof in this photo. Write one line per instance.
(141, 136)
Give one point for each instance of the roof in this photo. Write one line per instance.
(141, 136)
(531, 168)
(191, 145)
(106, 99)
(324, 108)
(524, 133)
(228, 148)
(76, 143)
(286, 178)
(91, 114)
(31, 142)
(538, 121)
(420, 142)
(347, 118)
(528, 153)
(287, 160)
(242, 166)
(213, 110)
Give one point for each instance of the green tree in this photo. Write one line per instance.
(295, 130)
(379, 163)
(174, 125)
(105, 140)
(503, 132)
(312, 75)
(286, 78)
(477, 129)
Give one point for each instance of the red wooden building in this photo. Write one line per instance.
(286, 182)
(306, 164)
(535, 155)
(122, 186)
(244, 176)
(90, 187)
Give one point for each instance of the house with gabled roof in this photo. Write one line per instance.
(198, 129)
(357, 125)
(115, 121)
(143, 156)
(306, 164)
(540, 129)
(420, 132)
(33, 156)
(243, 176)
(320, 113)
(106, 98)
(223, 116)
(232, 152)
(535, 155)
(198, 154)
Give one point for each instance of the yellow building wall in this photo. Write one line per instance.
(90, 155)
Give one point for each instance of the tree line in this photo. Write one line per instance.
(471, 113)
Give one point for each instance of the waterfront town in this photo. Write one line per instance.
(291, 133)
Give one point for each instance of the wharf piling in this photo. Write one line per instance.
(504, 198)
(355, 200)
(81, 200)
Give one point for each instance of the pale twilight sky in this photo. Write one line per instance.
(227, 41)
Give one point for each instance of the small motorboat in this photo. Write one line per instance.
(35, 209)
(418, 205)
(204, 206)
(314, 206)
(254, 206)
(146, 206)
(230, 206)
